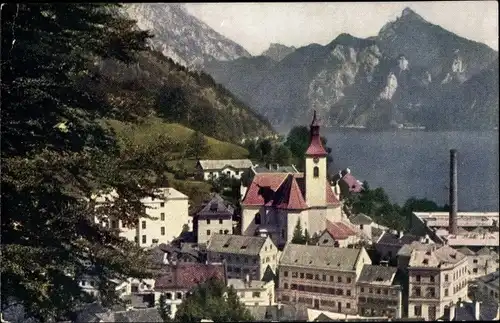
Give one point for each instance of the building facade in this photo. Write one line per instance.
(253, 292)
(437, 277)
(213, 169)
(379, 292)
(216, 216)
(169, 216)
(244, 255)
(321, 277)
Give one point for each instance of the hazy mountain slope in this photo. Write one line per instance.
(181, 36)
(411, 72)
(278, 51)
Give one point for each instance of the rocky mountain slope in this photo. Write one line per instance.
(278, 51)
(412, 72)
(181, 36)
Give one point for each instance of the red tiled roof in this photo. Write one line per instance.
(352, 183)
(338, 230)
(281, 190)
(316, 148)
(188, 275)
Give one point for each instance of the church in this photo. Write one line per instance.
(275, 202)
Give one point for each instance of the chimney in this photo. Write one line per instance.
(247, 280)
(453, 193)
(477, 308)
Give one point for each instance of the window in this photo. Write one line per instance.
(114, 224)
(378, 290)
(331, 278)
(362, 290)
(418, 278)
(285, 273)
(178, 295)
(255, 294)
(386, 292)
(348, 280)
(301, 275)
(136, 239)
(347, 305)
(208, 221)
(339, 279)
(123, 224)
(162, 204)
(162, 231)
(295, 274)
(208, 232)
(432, 279)
(371, 291)
(348, 292)
(144, 224)
(162, 216)
(361, 226)
(316, 171)
(135, 289)
(285, 286)
(84, 282)
(474, 270)
(432, 292)
(144, 239)
(257, 218)
(324, 277)
(417, 291)
(417, 310)
(220, 221)
(446, 278)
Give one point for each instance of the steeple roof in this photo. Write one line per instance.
(315, 148)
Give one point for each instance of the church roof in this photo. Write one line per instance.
(281, 190)
(315, 146)
(338, 230)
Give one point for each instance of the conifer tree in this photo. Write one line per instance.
(298, 235)
(56, 154)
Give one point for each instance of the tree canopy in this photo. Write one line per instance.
(56, 154)
(197, 145)
(212, 300)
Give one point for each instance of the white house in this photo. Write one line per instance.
(253, 292)
(169, 212)
(212, 169)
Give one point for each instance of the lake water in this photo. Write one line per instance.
(416, 163)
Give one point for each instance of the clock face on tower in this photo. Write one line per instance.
(315, 160)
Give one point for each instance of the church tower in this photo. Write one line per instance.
(315, 168)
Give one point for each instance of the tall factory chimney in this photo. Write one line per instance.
(453, 192)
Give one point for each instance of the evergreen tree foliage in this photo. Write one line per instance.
(298, 235)
(163, 309)
(214, 301)
(55, 155)
(197, 145)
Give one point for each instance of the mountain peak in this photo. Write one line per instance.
(278, 51)
(409, 13)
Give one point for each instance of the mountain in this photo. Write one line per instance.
(157, 87)
(412, 72)
(278, 51)
(181, 36)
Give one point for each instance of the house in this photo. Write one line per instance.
(275, 202)
(488, 287)
(169, 214)
(482, 262)
(379, 292)
(363, 223)
(389, 244)
(211, 169)
(321, 277)
(279, 313)
(347, 183)
(175, 281)
(472, 311)
(437, 276)
(244, 255)
(253, 292)
(338, 234)
(216, 216)
(170, 254)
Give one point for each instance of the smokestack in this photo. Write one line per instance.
(453, 192)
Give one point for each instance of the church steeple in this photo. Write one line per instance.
(315, 146)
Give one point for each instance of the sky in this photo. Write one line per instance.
(256, 25)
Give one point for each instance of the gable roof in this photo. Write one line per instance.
(320, 257)
(435, 257)
(236, 244)
(217, 164)
(281, 190)
(140, 315)
(360, 219)
(465, 311)
(380, 275)
(276, 169)
(216, 207)
(466, 251)
(389, 238)
(185, 276)
(338, 230)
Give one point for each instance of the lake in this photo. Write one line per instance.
(416, 163)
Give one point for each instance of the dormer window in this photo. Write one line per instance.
(316, 171)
